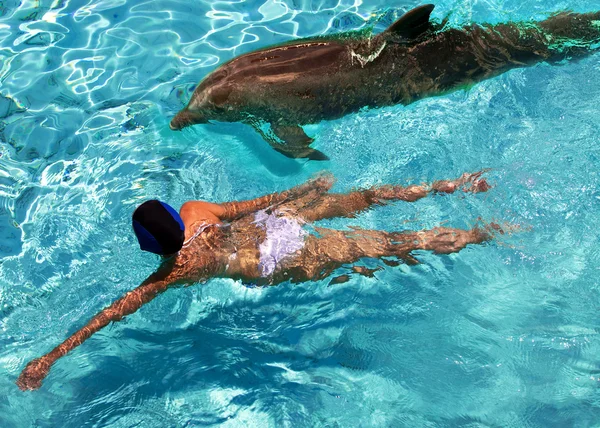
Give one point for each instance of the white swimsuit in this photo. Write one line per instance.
(285, 236)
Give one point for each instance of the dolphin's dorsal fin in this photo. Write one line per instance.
(410, 25)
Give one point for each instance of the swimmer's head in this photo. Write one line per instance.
(158, 228)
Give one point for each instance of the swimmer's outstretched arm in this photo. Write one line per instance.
(348, 204)
(231, 210)
(32, 375)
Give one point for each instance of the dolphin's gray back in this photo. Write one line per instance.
(309, 81)
(295, 83)
(287, 61)
(456, 58)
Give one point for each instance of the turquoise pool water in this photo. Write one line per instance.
(505, 334)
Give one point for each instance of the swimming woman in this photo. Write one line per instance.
(264, 241)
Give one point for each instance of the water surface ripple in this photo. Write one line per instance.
(504, 334)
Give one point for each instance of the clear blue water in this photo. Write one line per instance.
(505, 334)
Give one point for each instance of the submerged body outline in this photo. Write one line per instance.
(232, 249)
(279, 89)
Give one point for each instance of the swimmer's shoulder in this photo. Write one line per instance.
(193, 212)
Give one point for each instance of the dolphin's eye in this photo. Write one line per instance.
(218, 76)
(220, 95)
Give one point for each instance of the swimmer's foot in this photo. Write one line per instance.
(444, 240)
(472, 183)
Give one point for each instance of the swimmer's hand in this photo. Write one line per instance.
(32, 375)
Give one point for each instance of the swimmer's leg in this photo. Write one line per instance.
(334, 248)
(349, 204)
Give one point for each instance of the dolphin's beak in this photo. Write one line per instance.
(186, 118)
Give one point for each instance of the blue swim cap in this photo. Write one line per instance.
(158, 227)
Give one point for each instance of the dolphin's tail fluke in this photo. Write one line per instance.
(583, 27)
(566, 35)
(571, 34)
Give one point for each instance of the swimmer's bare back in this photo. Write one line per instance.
(232, 251)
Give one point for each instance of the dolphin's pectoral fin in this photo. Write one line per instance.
(295, 143)
(292, 136)
(290, 141)
(410, 25)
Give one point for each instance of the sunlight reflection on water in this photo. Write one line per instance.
(87, 89)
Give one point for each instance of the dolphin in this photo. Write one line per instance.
(278, 89)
